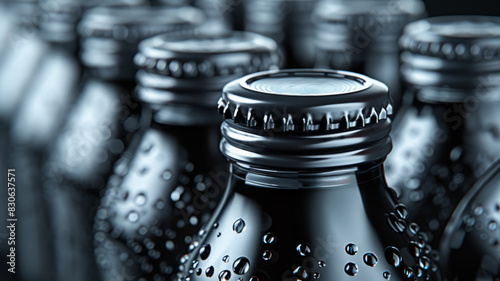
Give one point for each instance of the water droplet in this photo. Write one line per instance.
(193, 220)
(422, 240)
(239, 225)
(419, 271)
(166, 175)
(414, 228)
(478, 210)
(401, 211)
(351, 269)
(254, 278)
(303, 249)
(194, 265)
(414, 249)
(424, 262)
(268, 238)
(492, 225)
(193, 245)
(393, 256)
(198, 271)
(387, 275)
(202, 233)
(316, 275)
(140, 199)
(133, 216)
(370, 259)
(224, 275)
(159, 204)
(351, 249)
(398, 225)
(321, 263)
(170, 245)
(189, 167)
(216, 225)
(219, 234)
(241, 265)
(184, 258)
(205, 251)
(301, 272)
(408, 272)
(209, 271)
(267, 255)
(146, 147)
(469, 220)
(225, 258)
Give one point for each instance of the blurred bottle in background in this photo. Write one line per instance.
(289, 23)
(450, 134)
(168, 183)
(100, 124)
(307, 198)
(362, 36)
(470, 247)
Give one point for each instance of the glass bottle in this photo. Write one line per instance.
(362, 36)
(307, 197)
(100, 124)
(470, 247)
(166, 185)
(449, 135)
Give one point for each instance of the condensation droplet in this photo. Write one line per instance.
(189, 167)
(351, 249)
(166, 175)
(224, 275)
(370, 259)
(492, 225)
(408, 272)
(159, 204)
(254, 278)
(478, 210)
(301, 272)
(133, 216)
(268, 238)
(393, 256)
(424, 262)
(414, 249)
(351, 269)
(216, 225)
(239, 225)
(225, 258)
(303, 249)
(205, 251)
(414, 228)
(170, 245)
(241, 265)
(401, 211)
(321, 263)
(140, 199)
(316, 275)
(386, 275)
(398, 225)
(209, 272)
(267, 255)
(419, 272)
(194, 264)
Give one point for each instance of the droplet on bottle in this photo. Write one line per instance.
(419, 272)
(370, 259)
(414, 249)
(216, 225)
(170, 245)
(398, 225)
(303, 249)
(393, 256)
(386, 275)
(198, 271)
(160, 204)
(316, 275)
(254, 278)
(469, 220)
(225, 258)
(140, 199)
(209, 272)
(166, 175)
(424, 262)
(492, 225)
(301, 272)
(241, 265)
(267, 255)
(202, 233)
(321, 263)
(478, 210)
(184, 258)
(224, 275)
(401, 211)
(351, 249)
(414, 228)
(351, 269)
(189, 167)
(239, 226)
(133, 216)
(205, 251)
(408, 272)
(268, 238)
(194, 264)
(219, 234)
(193, 245)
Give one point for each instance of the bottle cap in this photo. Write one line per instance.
(110, 35)
(460, 53)
(307, 111)
(192, 70)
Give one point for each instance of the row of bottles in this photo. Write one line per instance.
(110, 121)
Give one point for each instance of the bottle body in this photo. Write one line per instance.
(333, 224)
(150, 211)
(440, 149)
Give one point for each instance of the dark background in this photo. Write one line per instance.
(463, 7)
